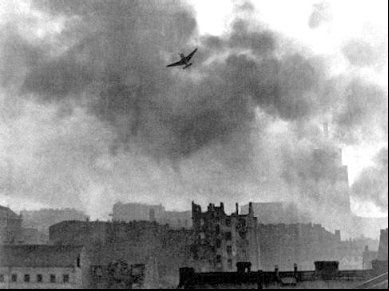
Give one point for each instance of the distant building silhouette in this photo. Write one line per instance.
(10, 226)
(143, 212)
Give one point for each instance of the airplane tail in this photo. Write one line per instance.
(188, 65)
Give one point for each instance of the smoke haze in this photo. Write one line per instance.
(90, 114)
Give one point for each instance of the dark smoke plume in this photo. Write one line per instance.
(110, 121)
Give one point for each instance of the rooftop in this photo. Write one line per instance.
(38, 255)
(7, 212)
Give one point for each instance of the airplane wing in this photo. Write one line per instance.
(191, 55)
(179, 63)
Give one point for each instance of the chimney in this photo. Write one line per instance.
(236, 208)
(251, 212)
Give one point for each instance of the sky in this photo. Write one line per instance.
(346, 19)
(89, 115)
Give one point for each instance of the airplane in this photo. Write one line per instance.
(184, 60)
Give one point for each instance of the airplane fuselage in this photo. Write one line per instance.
(184, 61)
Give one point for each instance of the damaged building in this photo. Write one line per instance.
(221, 240)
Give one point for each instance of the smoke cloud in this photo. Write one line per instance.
(91, 114)
(372, 183)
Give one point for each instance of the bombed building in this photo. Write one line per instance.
(221, 240)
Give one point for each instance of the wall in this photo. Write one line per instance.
(74, 278)
(214, 232)
(286, 244)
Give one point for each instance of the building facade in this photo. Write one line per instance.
(221, 240)
(10, 226)
(127, 212)
(42, 267)
(287, 244)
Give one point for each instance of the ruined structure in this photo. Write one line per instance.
(221, 240)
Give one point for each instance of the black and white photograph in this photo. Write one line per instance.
(193, 144)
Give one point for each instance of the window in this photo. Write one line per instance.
(218, 243)
(52, 278)
(14, 277)
(65, 278)
(27, 278)
(217, 229)
(218, 258)
(228, 221)
(228, 235)
(39, 278)
(78, 261)
(1, 278)
(229, 250)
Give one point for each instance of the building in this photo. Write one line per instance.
(177, 219)
(136, 212)
(10, 226)
(42, 267)
(381, 263)
(142, 212)
(221, 240)
(33, 236)
(102, 232)
(276, 212)
(367, 257)
(241, 279)
(158, 247)
(383, 246)
(288, 244)
(325, 275)
(42, 219)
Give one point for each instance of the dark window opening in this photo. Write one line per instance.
(14, 277)
(78, 261)
(217, 229)
(228, 235)
(52, 278)
(1, 278)
(229, 250)
(218, 243)
(218, 259)
(66, 278)
(228, 221)
(39, 278)
(26, 278)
